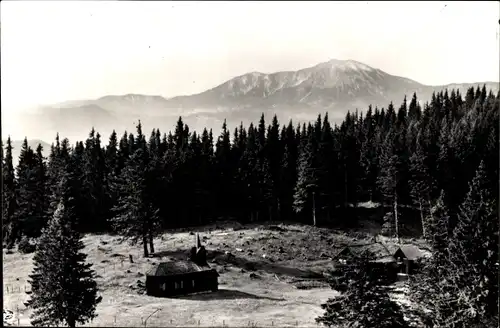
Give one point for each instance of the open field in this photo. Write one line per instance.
(274, 278)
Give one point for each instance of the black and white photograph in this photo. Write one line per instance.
(250, 163)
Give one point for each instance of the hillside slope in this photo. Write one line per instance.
(285, 288)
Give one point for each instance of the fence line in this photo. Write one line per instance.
(159, 322)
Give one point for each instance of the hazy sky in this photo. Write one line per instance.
(56, 51)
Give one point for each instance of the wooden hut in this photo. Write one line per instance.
(381, 262)
(182, 277)
(406, 255)
(345, 256)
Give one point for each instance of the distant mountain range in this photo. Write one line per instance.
(335, 86)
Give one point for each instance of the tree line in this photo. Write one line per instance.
(402, 158)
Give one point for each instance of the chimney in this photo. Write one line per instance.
(198, 243)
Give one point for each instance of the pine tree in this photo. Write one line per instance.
(63, 287)
(136, 217)
(122, 154)
(40, 197)
(421, 184)
(112, 155)
(388, 179)
(27, 216)
(248, 176)
(10, 225)
(307, 181)
(365, 303)
(474, 249)
(439, 230)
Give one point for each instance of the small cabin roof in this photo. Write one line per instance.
(376, 249)
(344, 251)
(410, 252)
(171, 268)
(385, 259)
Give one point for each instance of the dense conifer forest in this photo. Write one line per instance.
(433, 165)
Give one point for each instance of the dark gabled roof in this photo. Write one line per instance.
(346, 251)
(376, 249)
(176, 267)
(411, 252)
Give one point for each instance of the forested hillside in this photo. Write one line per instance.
(403, 156)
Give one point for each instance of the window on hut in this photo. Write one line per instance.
(176, 285)
(182, 284)
(192, 283)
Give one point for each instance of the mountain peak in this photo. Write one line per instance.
(346, 65)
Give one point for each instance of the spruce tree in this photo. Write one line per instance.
(474, 249)
(388, 179)
(135, 215)
(307, 181)
(27, 216)
(63, 286)
(421, 184)
(10, 224)
(365, 303)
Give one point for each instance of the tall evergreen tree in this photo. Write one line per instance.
(365, 303)
(63, 287)
(10, 225)
(307, 181)
(474, 249)
(136, 217)
(388, 179)
(421, 184)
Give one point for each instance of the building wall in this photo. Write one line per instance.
(181, 284)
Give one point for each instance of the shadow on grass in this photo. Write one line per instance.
(226, 294)
(243, 263)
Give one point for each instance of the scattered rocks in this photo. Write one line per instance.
(253, 276)
(281, 250)
(103, 242)
(101, 249)
(105, 261)
(239, 250)
(140, 274)
(128, 271)
(242, 270)
(323, 255)
(191, 233)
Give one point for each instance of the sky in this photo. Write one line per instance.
(65, 50)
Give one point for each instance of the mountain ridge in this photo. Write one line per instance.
(335, 86)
